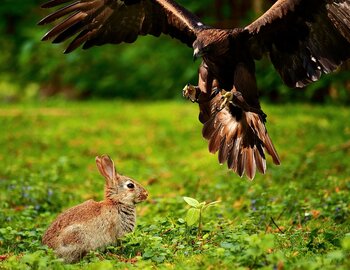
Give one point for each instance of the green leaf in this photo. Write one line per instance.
(192, 216)
(345, 243)
(181, 220)
(158, 259)
(205, 236)
(192, 202)
(336, 255)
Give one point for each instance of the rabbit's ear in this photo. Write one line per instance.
(106, 167)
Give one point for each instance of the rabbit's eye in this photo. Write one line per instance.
(130, 185)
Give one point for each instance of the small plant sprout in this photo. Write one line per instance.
(195, 213)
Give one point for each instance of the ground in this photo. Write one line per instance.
(294, 217)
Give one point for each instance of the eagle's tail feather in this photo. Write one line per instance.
(271, 149)
(240, 143)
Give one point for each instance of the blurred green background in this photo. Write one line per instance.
(151, 68)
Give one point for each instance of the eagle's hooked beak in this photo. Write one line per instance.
(196, 54)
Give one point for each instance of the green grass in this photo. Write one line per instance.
(47, 165)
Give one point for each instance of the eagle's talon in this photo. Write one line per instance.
(215, 91)
(227, 98)
(190, 92)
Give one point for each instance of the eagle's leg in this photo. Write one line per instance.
(226, 97)
(191, 92)
(235, 97)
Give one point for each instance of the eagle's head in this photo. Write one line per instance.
(210, 42)
(200, 49)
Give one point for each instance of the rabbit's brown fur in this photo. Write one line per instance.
(92, 225)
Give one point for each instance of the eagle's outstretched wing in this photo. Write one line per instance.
(96, 22)
(304, 38)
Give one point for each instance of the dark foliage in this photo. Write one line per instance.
(149, 69)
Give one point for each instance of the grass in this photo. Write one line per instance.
(294, 217)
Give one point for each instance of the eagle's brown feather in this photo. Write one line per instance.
(239, 137)
(99, 22)
(304, 39)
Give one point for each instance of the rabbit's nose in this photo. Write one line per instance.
(144, 195)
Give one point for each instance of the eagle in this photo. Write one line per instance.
(303, 39)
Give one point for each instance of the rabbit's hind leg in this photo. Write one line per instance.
(72, 245)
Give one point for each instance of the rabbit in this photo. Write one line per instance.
(92, 224)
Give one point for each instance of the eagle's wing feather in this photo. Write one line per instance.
(304, 38)
(97, 22)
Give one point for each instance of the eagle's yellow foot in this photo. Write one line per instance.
(236, 98)
(226, 98)
(190, 92)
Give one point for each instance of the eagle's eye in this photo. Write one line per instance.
(206, 49)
